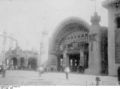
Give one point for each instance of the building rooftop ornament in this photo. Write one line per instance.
(95, 19)
(112, 4)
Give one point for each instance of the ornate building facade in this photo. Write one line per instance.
(79, 46)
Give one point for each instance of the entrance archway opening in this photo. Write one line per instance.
(22, 63)
(74, 61)
(14, 63)
(78, 64)
(32, 63)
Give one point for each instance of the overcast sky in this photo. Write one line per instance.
(25, 19)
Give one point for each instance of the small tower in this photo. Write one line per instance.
(94, 47)
(113, 7)
(95, 20)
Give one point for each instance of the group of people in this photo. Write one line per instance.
(41, 70)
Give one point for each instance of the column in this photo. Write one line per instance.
(112, 12)
(58, 63)
(94, 60)
(81, 58)
(18, 62)
(26, 62)
(65, 59)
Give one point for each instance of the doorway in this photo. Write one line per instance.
(74, 61)
(14, 63)
(22, 63)
(32, 63)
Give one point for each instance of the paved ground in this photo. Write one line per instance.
(32, 78)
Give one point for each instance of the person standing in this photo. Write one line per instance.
(67, 70)
(40, 70)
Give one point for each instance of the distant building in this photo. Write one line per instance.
(19, 59)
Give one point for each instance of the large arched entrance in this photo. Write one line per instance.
(70, 46)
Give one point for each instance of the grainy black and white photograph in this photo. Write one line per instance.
(59, 43)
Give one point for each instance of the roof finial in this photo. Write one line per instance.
(95, 5)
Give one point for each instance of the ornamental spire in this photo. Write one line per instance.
(95, 19)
